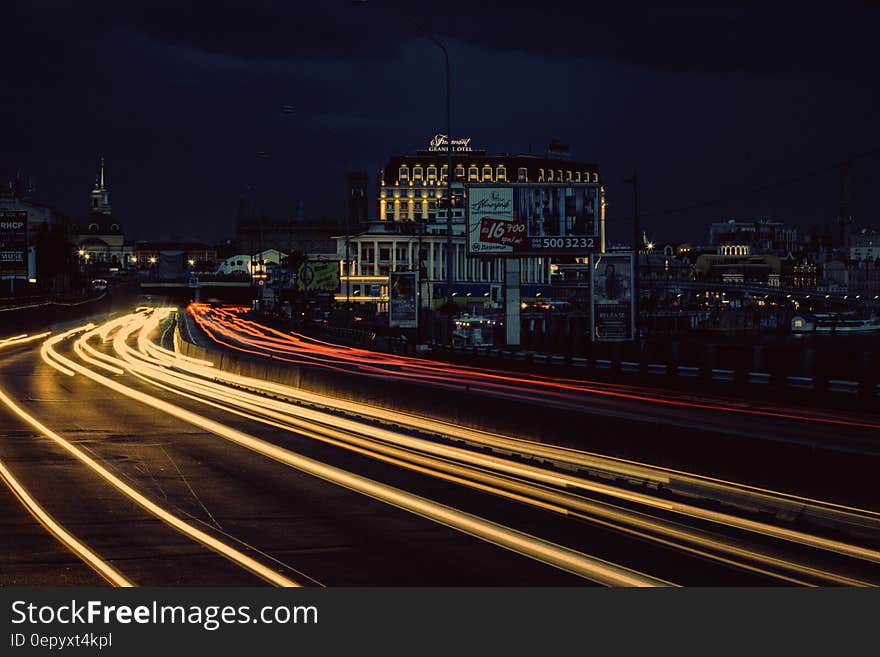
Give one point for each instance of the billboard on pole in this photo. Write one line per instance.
(319, 276)
(611, 303)
(533, 219)
(403, 302)
(13, 244)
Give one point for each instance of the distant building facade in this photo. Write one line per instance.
(409, 232)
(246, 264)
(358, 203)
(762, 235)
(47, 257)
(200, 254)
(865, 245)
(289, 226)
(739, 269)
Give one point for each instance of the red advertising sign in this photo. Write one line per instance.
(501, 231)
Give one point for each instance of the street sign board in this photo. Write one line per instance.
(13, 243)
(611, 301)
(319, 276)
(403, 303)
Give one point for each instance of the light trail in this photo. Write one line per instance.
(345, 431)
(231, 553)
(408, 452)
(219, 324)
(621, 468)
(71, 542)
(24, 338)
(542, 488)
(626, 469)
(616, 518)
(559, 556)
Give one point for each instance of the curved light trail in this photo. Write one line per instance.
(521, 482)
(69, 367)
(581, 485)
(547, 552)
(71, 542)
(228, 328)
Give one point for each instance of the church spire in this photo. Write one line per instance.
(100, 195)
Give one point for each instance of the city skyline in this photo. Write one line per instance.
(190, 119)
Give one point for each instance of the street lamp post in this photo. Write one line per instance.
(449, 176)
(347, 264)
(666, 295)
(637, 237)
(449, 254)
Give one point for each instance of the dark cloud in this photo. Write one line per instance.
(764, 38)
(775, 39)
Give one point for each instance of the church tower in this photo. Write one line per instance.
(100, 195)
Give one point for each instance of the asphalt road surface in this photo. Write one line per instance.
(133, 465)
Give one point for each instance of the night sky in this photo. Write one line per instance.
(709, 102)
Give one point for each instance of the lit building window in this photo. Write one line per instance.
(432, 172)
(540, 175)
(501, 173)
(595, 177)
(487, 173)
(522, 174)
(577, 176)
(417, 173)
(559, 175)
(549, 175)
(473, 174)
(403, 174)
(459, 171)
(568, 176)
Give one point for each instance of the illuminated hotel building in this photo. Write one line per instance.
(412, 193)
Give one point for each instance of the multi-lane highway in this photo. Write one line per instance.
(129, 462)
(229, 328)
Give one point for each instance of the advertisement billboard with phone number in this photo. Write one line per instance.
(522, 220)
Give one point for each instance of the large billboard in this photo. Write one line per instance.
(13, 244)
(533, 219)
(403, 302)
(319, 276)
(611, 300)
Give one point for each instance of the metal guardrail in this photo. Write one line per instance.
(723, 375)
(800, 382)
(841, 385)
(759, 378)
(755, 378)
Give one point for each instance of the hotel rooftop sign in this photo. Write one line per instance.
(441, 143)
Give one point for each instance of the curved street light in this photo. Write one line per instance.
(449, 174)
